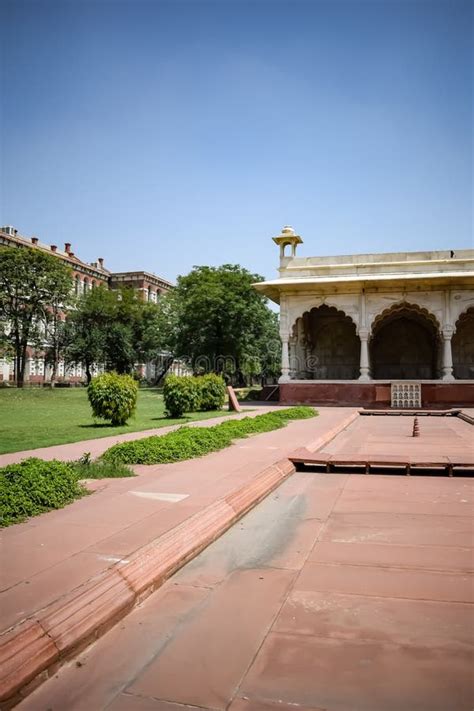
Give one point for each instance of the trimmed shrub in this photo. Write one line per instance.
(181, 394)
(113, 397)
(191, 442)
(34, 486)
(211, 392)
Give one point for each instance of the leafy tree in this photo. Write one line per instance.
(87, 328)
(222, 323)
(113, 327)
(34, 286)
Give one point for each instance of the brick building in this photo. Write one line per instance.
(85, 276)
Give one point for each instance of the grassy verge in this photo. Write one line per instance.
(191, 442)
(40, 417)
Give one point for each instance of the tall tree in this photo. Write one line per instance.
(87, 328)
(221, 323)
(30, 281)
(55, 330)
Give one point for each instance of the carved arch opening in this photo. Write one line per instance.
(324, 346)
(405, 344)
(462, 345)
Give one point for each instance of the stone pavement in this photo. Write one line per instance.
(338, 592)
(50, 555)
(382, 436)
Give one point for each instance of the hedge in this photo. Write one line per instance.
(34, 486)
(191, 442)
(188, 393)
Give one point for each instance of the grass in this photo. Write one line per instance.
(35, 486)
(40, 417)
(87, 468)
(191, 442)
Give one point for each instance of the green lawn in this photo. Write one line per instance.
(40, 417)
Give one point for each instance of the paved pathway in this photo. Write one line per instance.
(50, 555)
(338, 592)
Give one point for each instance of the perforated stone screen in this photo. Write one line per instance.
(406, 395)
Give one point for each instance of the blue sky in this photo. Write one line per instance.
(165, 134)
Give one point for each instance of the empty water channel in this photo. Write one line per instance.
(415, 443)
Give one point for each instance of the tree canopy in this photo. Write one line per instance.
(220, 323)
(115, 328)
(34, 288)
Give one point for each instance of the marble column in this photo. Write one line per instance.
(447, 363)
(285, 360)
(364, 365)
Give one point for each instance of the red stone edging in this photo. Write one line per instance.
(35, 647)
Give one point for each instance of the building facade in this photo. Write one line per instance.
(352, 326)
(85, 276)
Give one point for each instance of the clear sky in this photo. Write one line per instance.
(165, 134)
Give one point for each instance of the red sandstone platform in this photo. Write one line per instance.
(337, 593)
(69, 574)
(445, 443)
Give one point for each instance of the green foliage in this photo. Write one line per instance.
(191, 442)
(188, 394)
(218, 320)
(212, 392)
(34, 286)
(113, 397)
(88, 468)
(181, 394)
(116, 328)
(35, 486)
(87, 328)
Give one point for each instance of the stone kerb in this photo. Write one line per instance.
(37, 646)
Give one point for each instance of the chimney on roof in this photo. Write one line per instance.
(101, 262)
(53, 248)
(67, 247)
(70, 254)
(34, 240)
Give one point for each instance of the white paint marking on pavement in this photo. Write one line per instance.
(112, 558)
(172, 498)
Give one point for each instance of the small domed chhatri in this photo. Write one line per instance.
(354, 326)
(288, 237)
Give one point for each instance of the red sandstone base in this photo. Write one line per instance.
(374, 394)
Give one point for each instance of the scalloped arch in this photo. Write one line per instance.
(468, 311)
(404, 306)
(331, 306)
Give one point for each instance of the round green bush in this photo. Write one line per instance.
(211, 392)
(180, 394)
(113, 397)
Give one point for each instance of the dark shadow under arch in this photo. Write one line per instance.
(325, 345)
(463, 346)
(405, 344)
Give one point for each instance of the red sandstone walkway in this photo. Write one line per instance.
(46, 557)
(338, 592)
